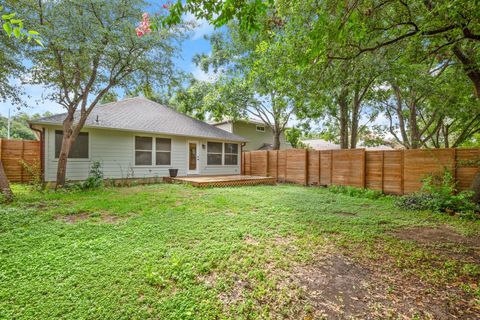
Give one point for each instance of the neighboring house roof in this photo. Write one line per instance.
(381, 147)
(252, 121)
(142, 115)
(215, 123)
(320, 144)
(266, 146)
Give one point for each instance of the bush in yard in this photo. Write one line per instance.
(439, 194)
(414, 201)
(94, 180)
(34, 169)
(356, 192)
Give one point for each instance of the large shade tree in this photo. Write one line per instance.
(90, 47)
(254, 79)
(428, 105)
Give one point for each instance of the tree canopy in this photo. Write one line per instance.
(408, 69)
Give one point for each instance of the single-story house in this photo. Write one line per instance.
(259, 136)
(138, 138)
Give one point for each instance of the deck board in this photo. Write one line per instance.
(223, 181)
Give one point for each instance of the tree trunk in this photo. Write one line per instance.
(5, 185)
(343, 105)
(401, 120)
(62, 161)
(414, 132)
(475, 187)
(67, 140)
(470, 68)
(355, 120)
(276, 140)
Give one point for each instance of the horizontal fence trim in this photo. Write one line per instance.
(389, 171)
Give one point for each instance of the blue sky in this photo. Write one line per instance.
(191, 46)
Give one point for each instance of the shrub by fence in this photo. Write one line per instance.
(389, 171)
(14, 153)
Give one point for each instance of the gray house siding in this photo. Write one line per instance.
(255, 138)
(114, 149)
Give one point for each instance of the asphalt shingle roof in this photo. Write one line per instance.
(143, 115)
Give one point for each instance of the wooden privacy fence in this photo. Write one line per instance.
(390, 171)
(13, 153)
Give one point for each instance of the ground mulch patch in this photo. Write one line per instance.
(339, 288)
(84, 216)
(443, 240)
(345, 213)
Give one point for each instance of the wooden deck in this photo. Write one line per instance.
(223, 181)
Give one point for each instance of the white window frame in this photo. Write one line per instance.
(74, 159)
(154, 152)
(164, 151)
(225, 153)
(260, 126)
(151, 151)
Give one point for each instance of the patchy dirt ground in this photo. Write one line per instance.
(338, 288)
(443, 240)
(83, 216)
(334, 286)
(345, 213)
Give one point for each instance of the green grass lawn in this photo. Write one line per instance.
(177, 252)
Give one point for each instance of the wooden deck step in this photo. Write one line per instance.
(222, 181)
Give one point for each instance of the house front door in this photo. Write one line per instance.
(193, 158)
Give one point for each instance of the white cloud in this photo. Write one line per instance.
(201, 27)
(201, 75)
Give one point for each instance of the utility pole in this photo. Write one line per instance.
(8, 124)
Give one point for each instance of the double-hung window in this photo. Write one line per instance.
(231, 154)
(79, 149)
(219, 153)
(149, 151)
(214, 153)
(143, 151)
(163, 148)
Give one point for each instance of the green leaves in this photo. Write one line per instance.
(8, 28)
(14, 27)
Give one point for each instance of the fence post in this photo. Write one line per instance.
(250, 162)
(1, 149)
(383, 167)
(454, 163)
(402, 174)
(286, 162)
(22, 161)
(267, 163)
(319, 167)
(276, 169)
(364, 169)
(243, 163)
(306, 167)
(331, 167)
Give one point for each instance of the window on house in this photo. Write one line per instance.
(163, 149)
(261, 128)
(214, 153)
(231, 154)
(79, 149)
(143, 151)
